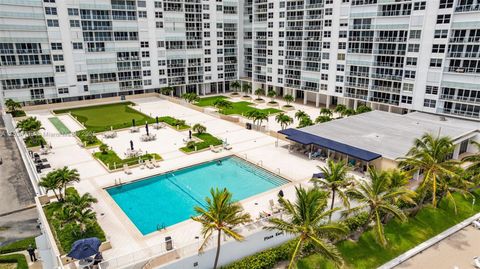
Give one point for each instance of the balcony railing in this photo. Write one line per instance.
(465, 99)
(468, 8)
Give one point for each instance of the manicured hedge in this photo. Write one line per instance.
(207, 140)
(266, 259)
(17, 245)
(19, 259)
(34, 141)
(110, 157)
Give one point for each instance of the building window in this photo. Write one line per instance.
(443, 33)
(406, 100)
(50, 10)
(438, 48)
(57, 57)
(410, 74)
(431, 90)
(75, 23)
(142, 14)
(73, 12)
(62, 90)
(56, 46)
(443, 18)
(59, 68)
(77, 45)
(415, 34)
(419, 5)
(429, 103)
(446, 4)
(81, 78)
(435, 62)
(52, 23)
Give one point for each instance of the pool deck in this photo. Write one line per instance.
(256, 147)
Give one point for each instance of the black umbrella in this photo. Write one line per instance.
(131, 144)
(133, 122)
(84, 248)
(41, 144)
(156, 118)
(190, 134)
(146, 128)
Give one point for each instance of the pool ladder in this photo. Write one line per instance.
(118, 182)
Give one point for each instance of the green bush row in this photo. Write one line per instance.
(19, 259)
(266, 259)
(17, 245)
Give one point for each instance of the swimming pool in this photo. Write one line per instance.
(167, 199)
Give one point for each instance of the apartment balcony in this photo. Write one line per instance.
(385, 89)
(458, 112)
(294, 18)
(313, 27)
(360, 51)
(386, 76)
(313, 38)
(294, 48)
(125, 68)
(462, 70)
(311, 68)
(131, 58)
(129, 78)
(388, 64)
(173, 9)
(311, 59)
(463, 54)
(193, 10)
(294, 37)
(260, 55)
(390, 39)
(124, 18)
(311, 48)
(468, 8)
(27, 86)
(292, 85)
(463, 99)
(309, 88)
(357, 85)
(131, 87)
(293, 57)
(475, 39)
(394, 13)
(295, 7)
(356, 96)
(123, 7)
(314, 6)
(103, 80)
(296, 28)
(384, 101)
(361, 26)
(357, 74)
(295, 67)
(314, 17)
(292, 76)
(389, 52)
(360, 38)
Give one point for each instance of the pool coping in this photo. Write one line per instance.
(137, 234)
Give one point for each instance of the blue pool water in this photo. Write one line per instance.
(167, 199)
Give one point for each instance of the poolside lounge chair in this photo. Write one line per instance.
(476, 262)
(148, 164)
(476, 224)
(227, 147)
(126, 169)
(155, 163)
(213, 149)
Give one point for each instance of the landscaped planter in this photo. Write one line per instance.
(288, 108)
(272, 104)
(259, 101)
(246, 97)
(234, 94)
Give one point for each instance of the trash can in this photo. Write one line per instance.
(168, 243)
(248, 125)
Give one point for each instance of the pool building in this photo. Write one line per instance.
(379, 138)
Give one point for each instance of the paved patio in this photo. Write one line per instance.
(254, 146)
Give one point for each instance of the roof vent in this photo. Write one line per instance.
(442, 118)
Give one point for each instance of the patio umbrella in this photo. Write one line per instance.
(131, 144)
(133, 122)
(189, 134)
(84, 248)
(41, 144)
(146, 128)
(318, 175)
(156, 119)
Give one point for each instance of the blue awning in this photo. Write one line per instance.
(311, 139)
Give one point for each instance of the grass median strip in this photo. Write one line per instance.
(62, 129)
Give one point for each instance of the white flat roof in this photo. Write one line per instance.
(389, 134)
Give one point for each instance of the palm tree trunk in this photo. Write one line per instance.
(331, 206)
(218, 249)
(294, 254)
(56, 195)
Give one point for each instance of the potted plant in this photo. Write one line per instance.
(288, 98)
(259, 92)
(246, 90)
(235, 85)
(272, 94)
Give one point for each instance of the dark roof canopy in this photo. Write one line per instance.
(311, 139)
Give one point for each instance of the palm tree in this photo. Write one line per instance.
(362, 109)
(246, 88)
(222, 104)
(326, 112)
(474, 159)
(272, 94)
(50, 183)
(340, 108)
(75, 201)
(322, 119)
(167, 90)
(306, 219)
(305, 121)
(288, 98)
(431, 155)
(200, 129)
(12, 105)
(335, 179)
(259, 92)
(377, 197)
(235, 85)
(221, 214)
(300, 114)
(77, 210)
(257, 116)
(29, 126)
(348, 112)
(190, 97)
(66, 176)
(284, 120)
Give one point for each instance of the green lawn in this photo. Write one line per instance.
(103, 117)
(65, 236)
(110, 158)
(207, 140)
(59, 125)
(238, 108)
(366, 253)
(18, 259)
(17, 245)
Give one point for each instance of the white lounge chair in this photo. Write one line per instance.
(273, 207)
(227, 147)
(476, 224)
(476, 262)
(215, 150)
(126, 169)
(148, 164)
(155, 163)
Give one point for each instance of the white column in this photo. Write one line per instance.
(305, 95)
(223, 89)
(327, 103)
(355, 104)
(317, 99)
(390, 108)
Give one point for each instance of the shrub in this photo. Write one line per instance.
(191, 144)
(104, 148)
(357, 221)
(266, 259)
(17, 245)
(19, 259)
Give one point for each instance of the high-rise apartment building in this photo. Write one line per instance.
(392, 55)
